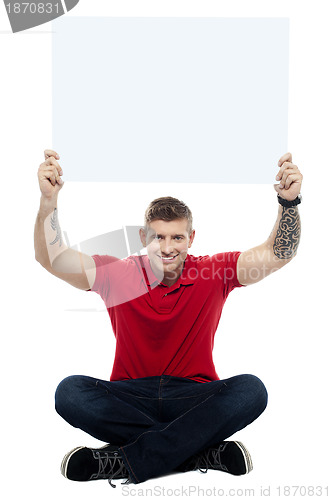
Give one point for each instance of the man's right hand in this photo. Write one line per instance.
(68, 264)
(49, 175)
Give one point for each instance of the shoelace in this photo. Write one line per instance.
(111, 466)
(203, 462)
(216, 459)
(199, 462)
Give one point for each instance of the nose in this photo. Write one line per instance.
(166, 246)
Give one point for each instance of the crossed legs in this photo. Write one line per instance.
(158, 423)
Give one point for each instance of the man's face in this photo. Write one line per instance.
(167, 245)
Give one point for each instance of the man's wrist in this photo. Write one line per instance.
(289, 203)
(47, 205)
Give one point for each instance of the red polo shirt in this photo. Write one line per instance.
(160, 329)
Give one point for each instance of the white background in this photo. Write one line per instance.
(278, 329)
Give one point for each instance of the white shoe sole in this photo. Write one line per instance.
(246, 456)
(66, 458)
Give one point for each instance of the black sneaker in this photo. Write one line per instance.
(230, 456)
(86, 464)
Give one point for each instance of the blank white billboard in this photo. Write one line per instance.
(170, 99)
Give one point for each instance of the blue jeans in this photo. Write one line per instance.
(158, 423)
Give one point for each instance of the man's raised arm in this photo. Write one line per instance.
(51, 252)
(281, 246)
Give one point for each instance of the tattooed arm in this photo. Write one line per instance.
(51, 251)
(281, 246)
(285, 237)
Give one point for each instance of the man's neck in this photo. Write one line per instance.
(172, 277)
(167, 278)
(169, 281)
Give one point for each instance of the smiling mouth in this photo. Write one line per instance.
(168, 259)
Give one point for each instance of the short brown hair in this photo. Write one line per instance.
(168, 208)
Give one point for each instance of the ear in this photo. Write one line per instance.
(191, 238)
(142, 235)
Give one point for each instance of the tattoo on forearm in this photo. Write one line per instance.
(56, 227)
(288, 234)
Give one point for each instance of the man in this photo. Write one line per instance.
(164, 408)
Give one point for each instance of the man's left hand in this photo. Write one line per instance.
(290, 178)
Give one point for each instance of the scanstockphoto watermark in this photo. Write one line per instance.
(118, 250)
(25, 15)
(186, 491)
(279, 491)
(126, 242)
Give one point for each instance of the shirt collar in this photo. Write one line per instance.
(188, 275)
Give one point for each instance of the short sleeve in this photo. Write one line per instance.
(103, 273)
(117, 281)
(226, 266)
